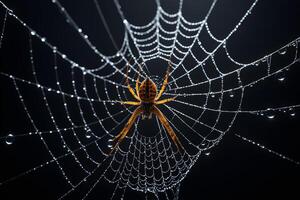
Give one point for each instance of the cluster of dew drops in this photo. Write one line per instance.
(271, 113)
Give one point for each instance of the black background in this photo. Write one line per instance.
(234, 169)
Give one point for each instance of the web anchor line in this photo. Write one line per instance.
(279, 155)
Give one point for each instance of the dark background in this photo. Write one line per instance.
(234, 169)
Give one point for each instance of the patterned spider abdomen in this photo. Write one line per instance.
(147, 91)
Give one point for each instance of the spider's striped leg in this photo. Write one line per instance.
(133, 103)
(165, 83)
(165, 100)
(131, 90)
(126, 128)
(168, 127)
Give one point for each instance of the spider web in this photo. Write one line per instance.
(209, 98)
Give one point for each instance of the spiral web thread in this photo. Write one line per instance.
(201, 114)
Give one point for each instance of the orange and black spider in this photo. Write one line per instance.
(147, 99)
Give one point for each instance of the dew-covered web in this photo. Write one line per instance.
(81, 114)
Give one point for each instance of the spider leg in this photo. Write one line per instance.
(163, 101)
(133, 103)
(126, 128)
(131, 90)
(165, 83)
(168, 127)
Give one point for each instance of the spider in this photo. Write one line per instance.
(147, 101)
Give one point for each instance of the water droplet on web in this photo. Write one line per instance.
(9, 139)
(213, 95)
(257, 63)
(43, 39)
(282, 51)
(291, 112)
(281, 76)
(204, 143)
(231, 94)
(88, 134)
(207, 153)
(32, 32)
(270, 113)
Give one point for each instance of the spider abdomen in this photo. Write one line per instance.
(147, 91)
(147, 110)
